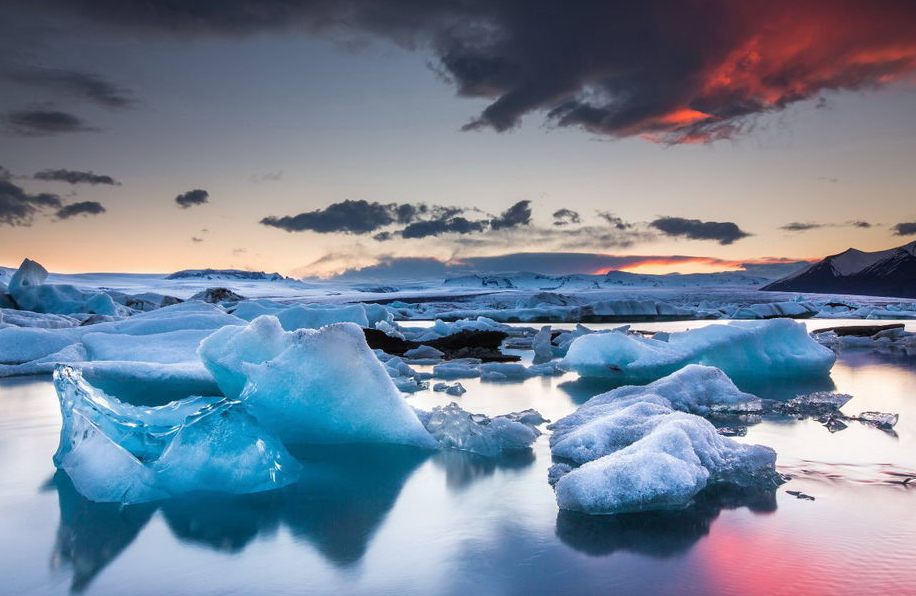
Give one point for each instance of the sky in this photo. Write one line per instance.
(312, 138)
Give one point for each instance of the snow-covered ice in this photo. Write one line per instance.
(776, 347)
(637, 450)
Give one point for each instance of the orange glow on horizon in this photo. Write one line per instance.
(666, 265)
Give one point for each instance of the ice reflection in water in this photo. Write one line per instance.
(370, 520)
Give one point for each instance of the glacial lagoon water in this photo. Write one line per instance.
(393, 521)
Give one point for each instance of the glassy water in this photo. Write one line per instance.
(393, 521)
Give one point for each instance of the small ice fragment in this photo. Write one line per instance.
(878, 419)
(817, 403)
(455, 370)
(732, 431)
(455, 428)
(424, 351)
(457, 390)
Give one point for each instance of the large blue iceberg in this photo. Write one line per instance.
(117, 452)
(312, 386)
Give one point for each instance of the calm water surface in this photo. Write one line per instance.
(392, 521)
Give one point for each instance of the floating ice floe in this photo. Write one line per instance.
(636, 451)
(825, 407)
(116, 452)
(493, 371)
(777, 347)
(312, 386)
(457, 389)
(880, 337)
(606, 310)
(454, 428)
(771, 310)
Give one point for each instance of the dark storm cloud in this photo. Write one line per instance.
(798, 226)
(905, 229)
(518, 214)
(613, 220)
(192, 197)
(75, 84)
(564, 217)
(723, 232)
(33, 123)
(681, 71)
(355, 217)
(362, 217)
(81, 208)
(17, 207)
(437, 227)
(75, 177)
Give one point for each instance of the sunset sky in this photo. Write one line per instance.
(333, 135)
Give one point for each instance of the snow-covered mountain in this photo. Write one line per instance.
(613, 279)
(889, 272)
(681, 280)
(525, 281)
(230, 274)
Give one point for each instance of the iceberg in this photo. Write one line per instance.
(454, 428)
(543, 350)
(152, 352)
(776, 347)
(30, 292)
(27, 318)
(25, 344)
(116, 452)
(312, 386)
(313, 316)
(170, 347)
(637, 451)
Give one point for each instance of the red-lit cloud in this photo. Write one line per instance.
(671, 71)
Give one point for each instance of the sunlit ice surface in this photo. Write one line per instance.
(377, 520)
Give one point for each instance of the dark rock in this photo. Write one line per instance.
(732, 431)
(469, 338)
(214, 295)
(379, 340)
(464, 344)
(96, 319)
(841, 304)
